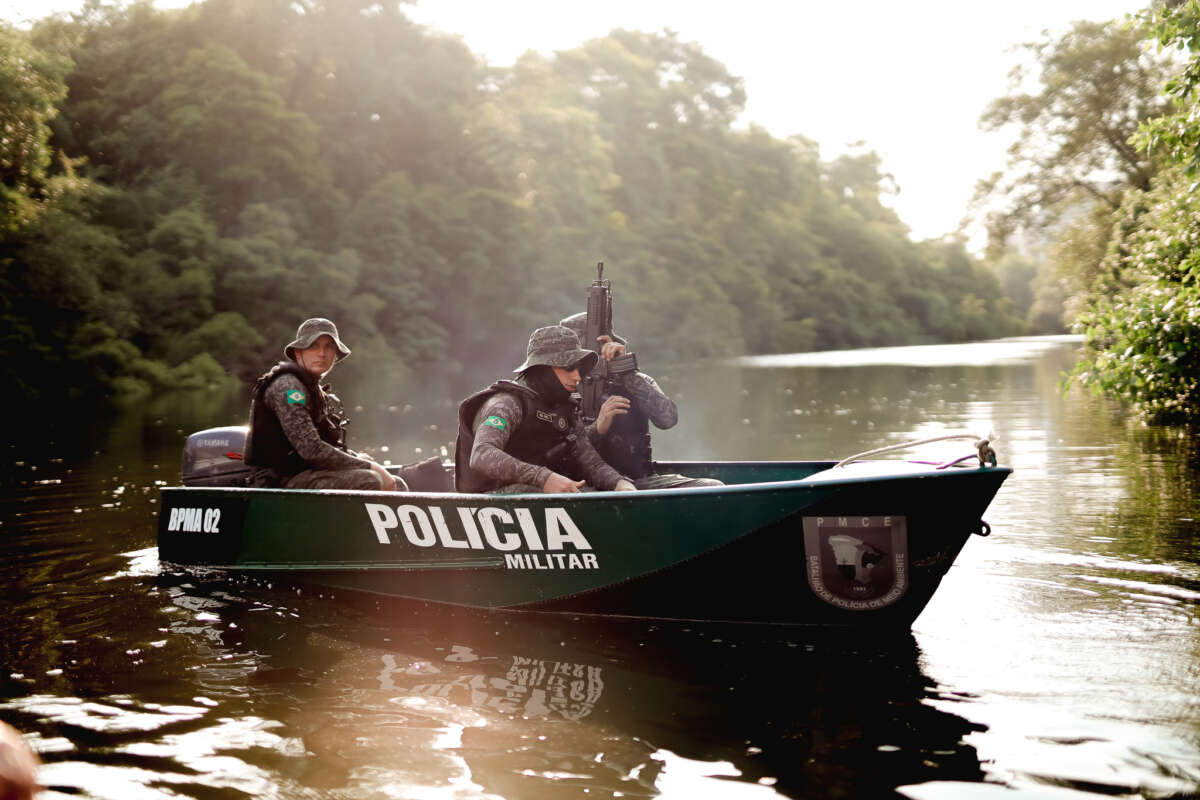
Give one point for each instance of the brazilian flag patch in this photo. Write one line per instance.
(496, 422)
(296, 398)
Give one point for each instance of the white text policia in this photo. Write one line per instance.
(490, 528)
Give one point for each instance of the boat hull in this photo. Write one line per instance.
(784, 542)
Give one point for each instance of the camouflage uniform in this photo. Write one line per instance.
(488, 456)
(647, 399)
(288, 399)
(333, 468)
(502, 413)
(645, 395)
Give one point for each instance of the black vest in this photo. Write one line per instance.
(626, 446)
(544, 437)
(267, 446)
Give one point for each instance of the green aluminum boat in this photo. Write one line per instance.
(853, 544)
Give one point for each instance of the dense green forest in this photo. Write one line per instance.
(180, 188)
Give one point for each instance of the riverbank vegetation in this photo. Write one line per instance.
(1103, 179)
(180, 188)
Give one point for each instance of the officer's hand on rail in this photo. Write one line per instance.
(385, 477)
(558, 484)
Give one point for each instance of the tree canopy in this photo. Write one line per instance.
(182, 188)
(1076, 100)
(1094, 85)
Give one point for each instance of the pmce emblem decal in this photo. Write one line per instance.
(858, 563)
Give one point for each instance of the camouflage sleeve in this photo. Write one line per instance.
(644, 391)
(595, 470)
(299, 429)
(494, 423)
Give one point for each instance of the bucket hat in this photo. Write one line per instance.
(578, 323)
(309, 331)
(556, 346)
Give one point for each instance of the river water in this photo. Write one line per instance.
(1059, 659)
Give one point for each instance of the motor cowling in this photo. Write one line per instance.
(213, 457)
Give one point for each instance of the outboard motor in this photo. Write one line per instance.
(213, 457)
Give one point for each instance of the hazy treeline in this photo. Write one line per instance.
(1099, 205)
(181, 188)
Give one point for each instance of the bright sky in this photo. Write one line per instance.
(908, 78)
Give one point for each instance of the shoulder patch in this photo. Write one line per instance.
(297, 397)
(496, 422)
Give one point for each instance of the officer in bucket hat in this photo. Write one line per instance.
(309, 331)
(525, 435)
(297, 436)
(557, 346)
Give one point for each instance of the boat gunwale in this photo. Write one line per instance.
(607, 496)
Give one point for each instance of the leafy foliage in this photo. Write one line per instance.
(1143, 319)
(1094, 85)
(1144, 336)
(230, 169)
(30, 88)
(1176, 25)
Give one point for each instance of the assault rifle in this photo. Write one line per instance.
(599, 323)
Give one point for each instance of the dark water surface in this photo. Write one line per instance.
(1059, 659)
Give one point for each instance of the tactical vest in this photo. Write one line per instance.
(267, 446)
(544, 437)
(626, 446)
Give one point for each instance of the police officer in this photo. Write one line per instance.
(297, 438)
(621, 431)
(526, 435)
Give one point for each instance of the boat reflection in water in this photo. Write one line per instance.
(396, 700)
(531, 688)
